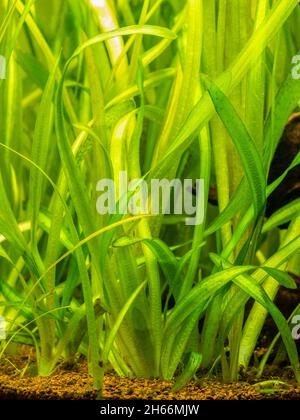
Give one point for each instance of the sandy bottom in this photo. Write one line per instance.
(17, 382)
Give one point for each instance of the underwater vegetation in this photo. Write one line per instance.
(177, 272)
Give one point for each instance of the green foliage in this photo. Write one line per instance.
(160, 89)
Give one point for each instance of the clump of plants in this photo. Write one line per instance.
(159, 89)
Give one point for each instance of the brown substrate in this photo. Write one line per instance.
(17, 384)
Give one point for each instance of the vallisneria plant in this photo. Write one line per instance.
(159, 90)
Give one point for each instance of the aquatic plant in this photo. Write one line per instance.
(164, 89)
